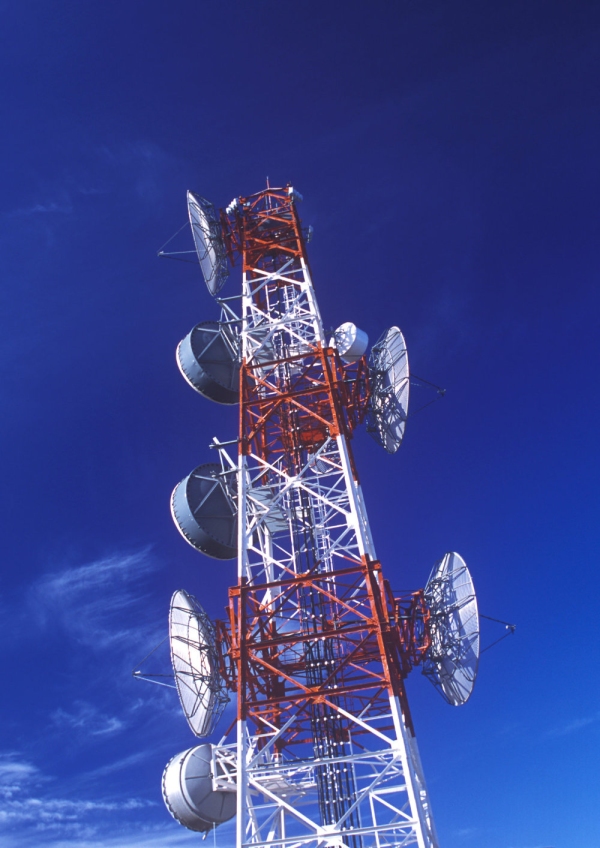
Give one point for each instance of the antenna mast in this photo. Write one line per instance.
(316, 647)
(326, 752)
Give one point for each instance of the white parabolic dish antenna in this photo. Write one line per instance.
(390, 382)
(208, 239)
(194, 657)
(452, 660)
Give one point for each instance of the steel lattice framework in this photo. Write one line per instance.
(315, 645)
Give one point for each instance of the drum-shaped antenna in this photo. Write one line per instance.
(452, 660)
(201, 688)
(188, 792)
(205, 513)
(208, 360)
(208, 239)
(350, 342)
(388, 405)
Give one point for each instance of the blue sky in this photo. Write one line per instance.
(448, 156)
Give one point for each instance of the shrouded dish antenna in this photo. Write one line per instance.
(188, 791)
(453, 658)
(208, 239)
(390, 379)
(351, 342)
(204, 510)
(208, 359)
(201, 688)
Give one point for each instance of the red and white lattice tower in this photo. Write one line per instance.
(325, 753)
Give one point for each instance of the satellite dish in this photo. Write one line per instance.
(208, 360)
(188, 792)
(208, 239)
(194, 658)
(390, 382)
(205, 513)
(452, 660)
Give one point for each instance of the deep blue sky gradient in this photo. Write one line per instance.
(448, 156)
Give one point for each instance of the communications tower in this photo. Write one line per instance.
(315, 648)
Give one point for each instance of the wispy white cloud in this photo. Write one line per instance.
(574, 725)
(139, 165)
(64, 207)
(28, 813)
(168, 836)
(93, 602)
(31, 816)
(47, 811)
(101, 614)
(86, 718)
(11, 769)
(145, 162)
(101, 604)
(15, 773)
(118, 765)
(467, 832)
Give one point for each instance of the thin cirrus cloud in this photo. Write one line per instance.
(139, 837)
(93, 602)
(64, 207)
(50, 811)
(86, 718)
(99, 613)
(143, 164)
(138, 166)
(121, 764)
(29, 815)
(574, 725)
(14, 773)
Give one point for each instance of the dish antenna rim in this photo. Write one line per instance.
(208, 241)
(192, 643)
(452, 661)
(390, 379)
